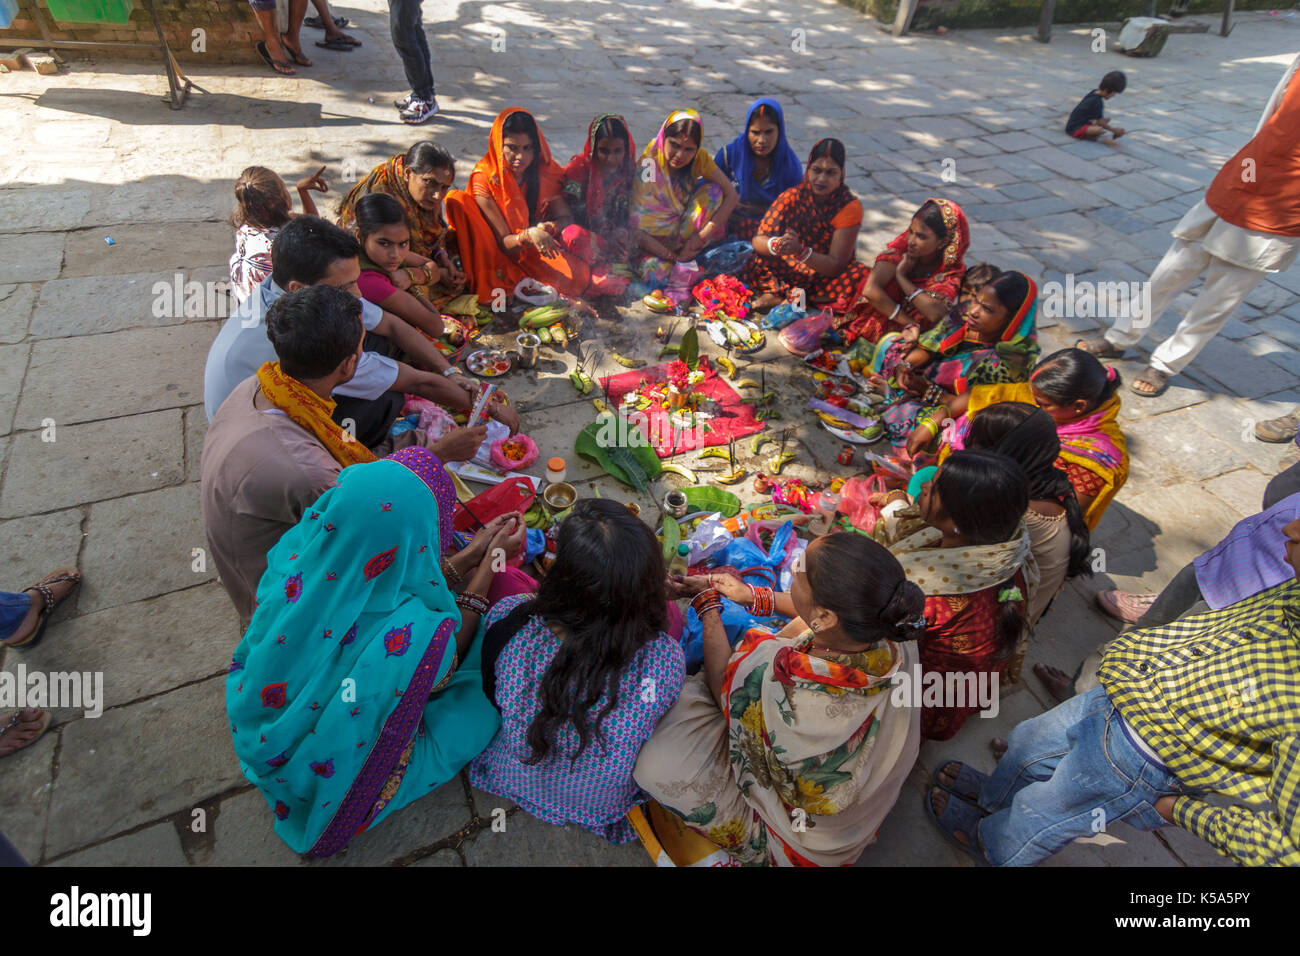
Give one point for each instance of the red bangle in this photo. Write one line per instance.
(707, 600)
(764, 601)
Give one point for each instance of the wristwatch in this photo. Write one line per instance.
(451, 370)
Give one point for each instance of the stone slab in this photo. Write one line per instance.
(92, 462)
(1157, 444)
(25, 788)
(196, 428)
(429, 819)
(528, 841)
(32, 257)
(94, 798)
(25, 210)
(907, 836)
(1241, 490)
(154, 846)
(93, 304)
(178, 246)
(141, 546)
(36, 545)
(242, 835)
(141, 649)
(141, 370)
(441, 858)
(16, 302)
(13, 363)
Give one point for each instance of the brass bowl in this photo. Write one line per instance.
(560, 495)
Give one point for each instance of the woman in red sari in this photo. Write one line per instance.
(975, 563)
(807, 237)
(508, 223)
(598, 188)
(915, 281)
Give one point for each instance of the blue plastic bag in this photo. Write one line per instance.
(781, 316)
(726, 257)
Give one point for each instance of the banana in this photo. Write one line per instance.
(758, 442)
(626, 362)
(558, 336)
(778, 462)
(576, 381)
(730, 477)
(668, 350)
(729, 365)
(599, 405)
(680, 470)
(747, 383)
(715, 451)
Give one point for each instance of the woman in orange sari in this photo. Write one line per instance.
(509, 221)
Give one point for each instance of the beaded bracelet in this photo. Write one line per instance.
(707, 600)
(764, 601)
(472, 602)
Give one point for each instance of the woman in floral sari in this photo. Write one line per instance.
(356, 688)
(807, 238)
(790, 751)
(994, 339)
(915, 281)
(975, 563)
(1082, 396)
(419, 180)
(509, 221)
(681, 201)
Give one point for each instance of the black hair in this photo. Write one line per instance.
(1113, 82)
(306, 247)
(606, 593)
(685, 127)
(828, 148)
(426, 156)
(875, 601)
(314, 329)
(932, 216)
(1071, 374)
(1011, 289)
(763, 112)
(1027, 435)
(611, 127)
(521, 123)
(374, 211)
(986, 495)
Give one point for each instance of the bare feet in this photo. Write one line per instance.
(19, 728)
(1058, 683)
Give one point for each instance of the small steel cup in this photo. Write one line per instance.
(675, 504)
(529, 344)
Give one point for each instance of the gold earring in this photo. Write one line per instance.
(813, 627)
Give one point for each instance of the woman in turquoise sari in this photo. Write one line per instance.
(357, 688)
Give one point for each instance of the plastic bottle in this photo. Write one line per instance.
(679, 563)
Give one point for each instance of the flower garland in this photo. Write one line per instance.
(723, 297)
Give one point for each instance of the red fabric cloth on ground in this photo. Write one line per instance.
(733, 420)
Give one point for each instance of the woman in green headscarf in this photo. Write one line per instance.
(357, 688)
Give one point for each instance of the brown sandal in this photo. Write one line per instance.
(1156, 380)
(9, 727)
(42, 587)
(1099, 346)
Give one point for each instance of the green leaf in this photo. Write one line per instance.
(672, 536)
(627, 463)
(689, 349)
(702, 815)
(595, 442)
(708, 498)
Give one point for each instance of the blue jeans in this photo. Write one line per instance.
(13, 608)
(1068, 773)
(406, 24)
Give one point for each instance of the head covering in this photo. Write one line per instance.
(660, 194)
(604, 212)
(353, 598)
(738, 159)
(957, 234)
(1021, 325)
(428, 226)
(1035, 446)
(493, 173)
(311, 412)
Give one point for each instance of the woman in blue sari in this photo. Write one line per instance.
(357, 688)
(761, 165)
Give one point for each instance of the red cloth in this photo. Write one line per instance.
(733, 420)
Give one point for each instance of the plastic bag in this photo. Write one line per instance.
(805, 335)
(855, 501)
(781, 316)
(531, 291)
(729, 257)
(708, 538)
(681, 280)
(513, 494)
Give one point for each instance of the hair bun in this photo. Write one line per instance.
(905, 610)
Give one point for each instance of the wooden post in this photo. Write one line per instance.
(906, 10)
(1226, 27)
(1045, 21)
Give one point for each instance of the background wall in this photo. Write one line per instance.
(1017, 13)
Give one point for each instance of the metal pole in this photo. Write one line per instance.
(906, 10)
(1045, 21)
(1226, 26)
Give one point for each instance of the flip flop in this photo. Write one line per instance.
(338, 43)
(968, 784)
(284, 69)
(294, 55)
(1099, 346)
(958, 815)
(1156, 379)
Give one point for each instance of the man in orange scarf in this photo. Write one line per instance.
(273, 448)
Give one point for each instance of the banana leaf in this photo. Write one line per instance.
(588, 445)
(672, 536)
(708, 498)
(688, 350)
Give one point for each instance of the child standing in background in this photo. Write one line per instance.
(1087, 121)
(262, 206)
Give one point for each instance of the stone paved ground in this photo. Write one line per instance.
(93, 153)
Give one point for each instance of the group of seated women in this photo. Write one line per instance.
(571, 696)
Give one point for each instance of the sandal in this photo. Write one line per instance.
(1099, 346)
(1155, 381)
(319, 24)
(42, 588)
(295, 55)
(284, 69)
(958, 817)
(968, 783)
(343, 42)
(10, 741)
